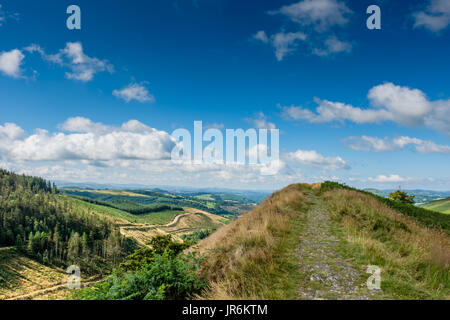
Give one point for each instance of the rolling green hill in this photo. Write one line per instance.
(317, 241)
(42, 231)
(143, 200)
(441, 205)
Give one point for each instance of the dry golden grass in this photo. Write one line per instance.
(415, 260)
(25, 275)
(247, 258)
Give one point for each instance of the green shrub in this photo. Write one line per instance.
(401, 196)
(160, 273)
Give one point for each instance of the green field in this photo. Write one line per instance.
(442, 205)
(161, 217)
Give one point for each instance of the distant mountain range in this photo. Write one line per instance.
(255, 195)
(421, 195)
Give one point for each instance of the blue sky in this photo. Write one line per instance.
(370, 108)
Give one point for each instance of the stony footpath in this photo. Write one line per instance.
(325, 274)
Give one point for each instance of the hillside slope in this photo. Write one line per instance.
(316, 241)
(441, 205)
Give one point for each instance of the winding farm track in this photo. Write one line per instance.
(175, 221)
(142, 232)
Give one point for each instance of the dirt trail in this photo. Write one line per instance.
(174, 222)
(325, 274)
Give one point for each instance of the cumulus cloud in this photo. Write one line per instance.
(83, 150)
(366, 143)
(283, 42)
(321, 14)
(389, 179)
(402, 105)
(261, 122)
(81, 124)
(11, 131)
(134, 91)
(312, 158)
(94, 142)
(83, 68)
(436, 17)
(10, 62)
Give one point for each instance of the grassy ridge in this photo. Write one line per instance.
(414, 259)
(252, 257)
(255, 256)
(428, 218)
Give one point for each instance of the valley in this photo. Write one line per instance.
(138, 215)
(306, 241)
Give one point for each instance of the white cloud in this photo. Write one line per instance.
(328, 111)
(333, 45)
(365, 143)
(10, 62)
(81, 124)
(99, 152)
(439, 118)
(317, 18)
(283, 43)
(96, 142)
(322, 14)
(435, 18)
(402, 105)
(134, 91)
(11, 131)
(261, 122)
(389, 179)
(83, 68)
(88, 151)
(312, 158)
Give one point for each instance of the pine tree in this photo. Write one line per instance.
(19, 242)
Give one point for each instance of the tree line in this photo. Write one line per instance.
(47, 226)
